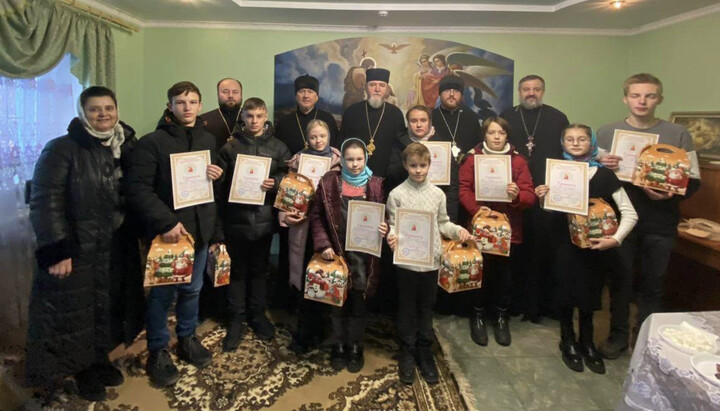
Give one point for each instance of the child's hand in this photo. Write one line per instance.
(513, 190)
(213, 172)
(328, 254)
(294, 217)
(464, 235)
(610, 161)
(383, 229)
(392, 241)
(604, 243)
(656, 195)
(267, 184)
(542, 190)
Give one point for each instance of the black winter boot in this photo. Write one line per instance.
(501, 327)
(593, 359)
(478, 332)
(568, 347)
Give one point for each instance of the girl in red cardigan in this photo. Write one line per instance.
(497, 284)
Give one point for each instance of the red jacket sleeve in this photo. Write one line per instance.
(521, 176)
(466, 177)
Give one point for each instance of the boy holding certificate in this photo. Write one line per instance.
(497, 287)
(150, 184)
(581, 271)
(417, 286)
(653, 239)
(249, 226)
(299, 251)
(328, 222)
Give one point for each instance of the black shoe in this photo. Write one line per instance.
(406, 367)
(478, 332)
(501, 328)
(592, 358)
(107, 374)
(571, 355)
(356, 359)
(234, 336)
(263, 328)
(161, 369)
(612, 348)
(428, 369)
(190, 350)
(90, 387)
(338, 357)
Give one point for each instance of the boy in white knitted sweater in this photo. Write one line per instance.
(417, 286)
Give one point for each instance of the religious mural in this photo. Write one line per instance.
(416, 66)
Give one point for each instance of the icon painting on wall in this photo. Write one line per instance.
(416, 66)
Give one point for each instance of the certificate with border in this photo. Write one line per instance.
(248, 176)
(314, 167)
(440, 161)
(415, 232)
(361, 233)
(493, 173)
(569, 186)
(628, 145)
(190, 183)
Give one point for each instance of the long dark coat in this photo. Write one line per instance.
(77, 211)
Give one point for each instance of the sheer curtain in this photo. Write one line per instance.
(32, 112)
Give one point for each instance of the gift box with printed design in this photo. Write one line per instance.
(601, 221)
(462, 266)
(326, 281)
(170, 263)
(294, 194)
(219, 266)
(492, 231)
(663, 167)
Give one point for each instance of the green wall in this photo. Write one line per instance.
(584, 73)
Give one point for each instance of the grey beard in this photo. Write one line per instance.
(375, 102)
(529, 106)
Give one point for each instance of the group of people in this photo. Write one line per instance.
(99, 189)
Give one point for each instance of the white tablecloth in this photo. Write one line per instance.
(661, 377)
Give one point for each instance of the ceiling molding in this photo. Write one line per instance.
(690, 15)
(308, 5)
(113, 11)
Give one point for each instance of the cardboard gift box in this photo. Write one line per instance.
(663, 167)
(219, 266)
(170, 263)
(294, 194)
(492, 231)
(462, 266)
(327, 281)
(601, 221)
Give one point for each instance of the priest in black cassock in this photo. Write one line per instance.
(375, 121)
(291, 128)
(454, 121)
(221, 121)
(535, 133)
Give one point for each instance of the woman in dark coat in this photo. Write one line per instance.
(87, 292)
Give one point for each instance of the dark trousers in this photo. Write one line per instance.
(585, 324)
(348, 321)
(497, 286)
(417, 292)
(247, 293)
(652, 252)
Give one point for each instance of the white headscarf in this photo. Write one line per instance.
(112, 138)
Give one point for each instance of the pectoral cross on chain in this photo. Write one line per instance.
(530, 145)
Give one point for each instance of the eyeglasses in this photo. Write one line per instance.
(580, 140)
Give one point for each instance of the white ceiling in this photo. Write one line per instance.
(417, 15)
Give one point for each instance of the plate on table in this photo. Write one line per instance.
(689, 340)
(707, 366)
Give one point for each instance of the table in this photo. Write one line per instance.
(661, 377)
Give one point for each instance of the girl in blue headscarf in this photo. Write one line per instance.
(580, 271)
(328, 219)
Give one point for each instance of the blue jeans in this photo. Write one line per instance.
(161, 298)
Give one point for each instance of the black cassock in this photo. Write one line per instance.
(288, 131)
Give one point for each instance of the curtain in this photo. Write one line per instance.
(36, 34)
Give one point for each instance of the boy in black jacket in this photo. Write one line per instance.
(149, 187)
(249, 228)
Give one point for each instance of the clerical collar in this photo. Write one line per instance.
(451, 112)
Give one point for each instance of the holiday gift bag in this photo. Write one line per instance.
(462, 267)
(219, 266)
(170, 263)
(663, 167)
(601, 221)
(492, 231)
(294, 193)
(326, 281)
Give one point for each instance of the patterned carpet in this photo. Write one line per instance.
(266, 375)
